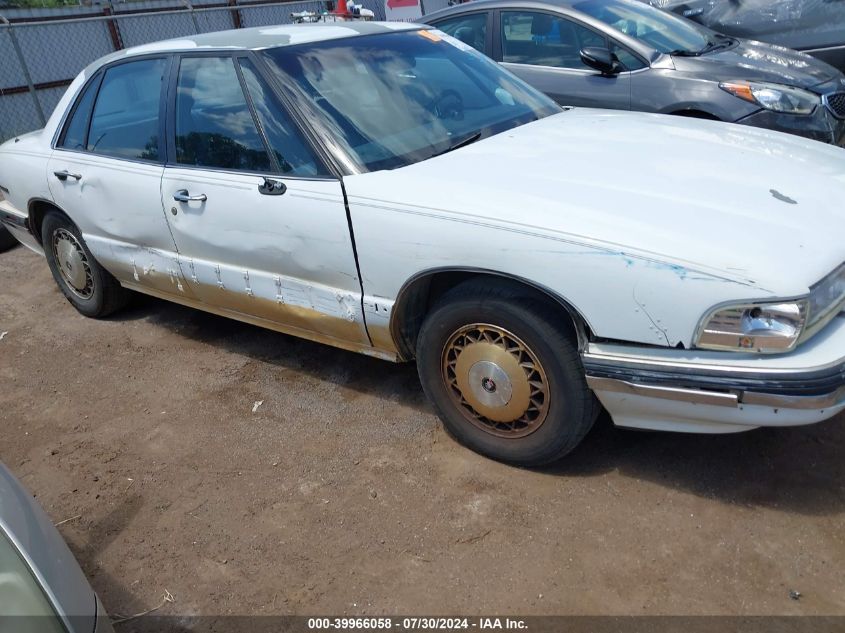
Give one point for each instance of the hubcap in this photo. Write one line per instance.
(496, 381)
(73, 264)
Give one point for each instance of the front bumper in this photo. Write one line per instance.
(720, 392)
(821, 125)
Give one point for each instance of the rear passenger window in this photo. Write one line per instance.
(125, 123)
(542, 39)
(214, 125)
(470, 29)
(77, 126)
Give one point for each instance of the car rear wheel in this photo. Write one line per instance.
(504, 374)
(7, 240)
(88, 286)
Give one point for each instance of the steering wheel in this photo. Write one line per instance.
(449, 105)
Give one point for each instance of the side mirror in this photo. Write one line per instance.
(601, 59)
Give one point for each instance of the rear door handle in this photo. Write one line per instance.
(183, 196)
(65, 174)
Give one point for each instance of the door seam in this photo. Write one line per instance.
(357, 263)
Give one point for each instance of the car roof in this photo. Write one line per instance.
(272, 36)
(499, 4)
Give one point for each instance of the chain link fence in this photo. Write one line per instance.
(42, 50)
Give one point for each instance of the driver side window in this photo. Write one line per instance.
(543, 39)
(214, 126)
(627, 58)
(221, 124)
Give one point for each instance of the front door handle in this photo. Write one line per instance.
(183, 196)
(65, 174)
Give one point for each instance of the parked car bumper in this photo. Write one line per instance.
(821, 125)
(720, 392)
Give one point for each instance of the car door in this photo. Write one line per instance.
(470, 28)
(544, 49)
(259, 221)
(105, 173)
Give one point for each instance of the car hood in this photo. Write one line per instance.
(761, 62)
(749, 205)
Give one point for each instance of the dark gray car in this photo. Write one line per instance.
(816, 27)
(42, 588)
(626, 54)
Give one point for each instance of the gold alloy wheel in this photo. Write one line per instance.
(496, 381)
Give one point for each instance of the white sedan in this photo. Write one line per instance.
(385, 189)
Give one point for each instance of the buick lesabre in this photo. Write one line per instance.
(387, 189)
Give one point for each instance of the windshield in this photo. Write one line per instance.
(662, 31)
(394, 99)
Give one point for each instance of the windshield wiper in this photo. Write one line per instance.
(682, 52)
(709, 47)
(467, 140)
(712, 46)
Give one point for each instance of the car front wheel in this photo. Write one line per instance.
(88, 286)
(504, 374)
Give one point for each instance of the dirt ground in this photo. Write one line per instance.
(341, 494)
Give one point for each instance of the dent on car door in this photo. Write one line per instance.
(259, 223)
(106, 169)
(544, 49)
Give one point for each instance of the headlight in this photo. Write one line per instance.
(774, 97)
(826, 300)
(765, 327)
(773, 327)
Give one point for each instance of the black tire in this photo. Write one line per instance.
(570, 407)
(7, 240)
(102, 294)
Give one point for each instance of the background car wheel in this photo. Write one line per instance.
(7, 240)
(504, 374)
(88, 286)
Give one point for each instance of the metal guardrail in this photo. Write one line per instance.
(40, 55)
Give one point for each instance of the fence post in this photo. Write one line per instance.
(114, 28)
(3, 136)
(236, 15)
(25, 68)
(193, 16)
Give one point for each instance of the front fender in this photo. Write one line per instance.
(620, 295)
